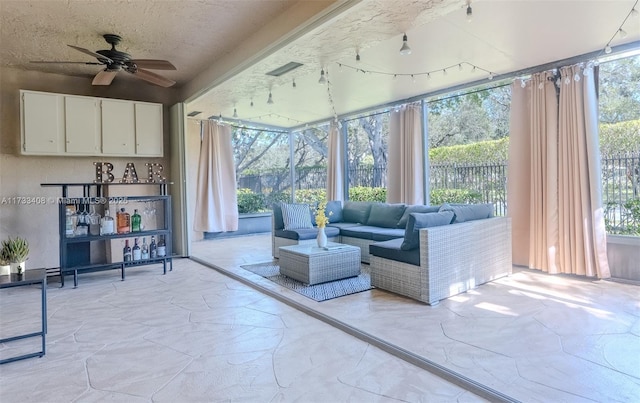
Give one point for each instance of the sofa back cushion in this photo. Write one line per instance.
(415, 208)
(296, 216)
(385, 215)
(333, 211)
(278, 221)
(422, 220)
(356, 211)
(469, 212)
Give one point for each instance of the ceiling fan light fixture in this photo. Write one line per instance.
(405, 49)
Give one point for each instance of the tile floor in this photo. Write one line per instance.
(196, 335)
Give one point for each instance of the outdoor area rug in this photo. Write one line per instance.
(317, 292)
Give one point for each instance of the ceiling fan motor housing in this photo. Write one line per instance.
(120, 59)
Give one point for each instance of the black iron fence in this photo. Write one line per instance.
(481, 183)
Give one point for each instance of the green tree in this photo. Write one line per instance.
(620, 90)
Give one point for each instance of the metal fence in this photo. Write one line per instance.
(486, 182)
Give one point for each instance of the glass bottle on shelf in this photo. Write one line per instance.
(94, 222)
(162, 249)
(153, 250)
(82, 227)
(137, 253)
(124, 222)
(144, 249)
(69, 228)
(136, 221)
(126, 252)
(107, 225)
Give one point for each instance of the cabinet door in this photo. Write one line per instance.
(118, 127)
(42, 123)
(149, 133)
(82, 124)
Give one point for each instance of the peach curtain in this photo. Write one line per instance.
(583, 239)
(405, 182)
(553, 190)
(335, 165)
(216, 199)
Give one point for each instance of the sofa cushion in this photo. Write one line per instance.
(385, 215)
(415, 208)
(305, 233)
(423, 220)
(469, 212)
(333, 211)
(356, 211)
(392, 250)
(341, 225)
(296, 216)
(360, 231)
(385, 234)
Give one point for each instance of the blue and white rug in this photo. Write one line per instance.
(317, 292)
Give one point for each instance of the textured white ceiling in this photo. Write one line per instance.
(204, 36)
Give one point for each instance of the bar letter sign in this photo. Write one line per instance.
(104, 173)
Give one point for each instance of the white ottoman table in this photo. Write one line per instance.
(312, 265)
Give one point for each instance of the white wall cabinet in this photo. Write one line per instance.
(42, 124)
(69, 125)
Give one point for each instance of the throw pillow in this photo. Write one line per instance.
(296, 216)
(385, 215)
(470, 212)
(422, 220)
(415, 208)
(333, 211)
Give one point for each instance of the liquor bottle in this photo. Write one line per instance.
(126, 252)
(94, 221)
(124, 222)
(162, 249)
(153, 251)
(136, 221)
(145, 249)
(107, 226)
(82, 228)
(137, 253)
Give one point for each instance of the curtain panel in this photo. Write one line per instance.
(216, 198)
(406, 168)
(553, 191)
(335, 165)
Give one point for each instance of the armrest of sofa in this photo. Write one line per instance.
(462, 256)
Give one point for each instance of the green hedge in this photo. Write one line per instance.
(620, 138)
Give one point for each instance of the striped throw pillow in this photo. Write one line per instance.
(296, 216)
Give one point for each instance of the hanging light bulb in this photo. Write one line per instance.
(405, 49)
(251, 104)
(323, 78)
(357, 57)
(622, 33)
(413, 79)
(469, 12)
(490, 76)
(634, 12)
(270, 100)
(235, 113)
(460, 67)
(294, 83)
(607, 49)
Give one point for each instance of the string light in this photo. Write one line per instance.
(294, 83)
(469, 12)
(357, 57)
(473, 67)
(623, 34)
(251, 104)
(235, 113)
(270, 100)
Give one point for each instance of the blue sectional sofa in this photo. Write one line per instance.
(424, 252)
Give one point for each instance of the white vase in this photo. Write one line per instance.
(18, 268)
(322, 238)
(5, 270)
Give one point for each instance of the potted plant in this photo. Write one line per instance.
(17, 252)
(5, 269)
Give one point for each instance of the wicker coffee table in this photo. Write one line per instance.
(312, 265)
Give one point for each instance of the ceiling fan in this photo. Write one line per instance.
(116, 61)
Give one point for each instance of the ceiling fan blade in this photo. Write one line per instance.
(154, 64)
(104, 77)
(152, 77)
(46, 62)
(90, 53)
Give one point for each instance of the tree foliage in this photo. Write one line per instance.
(619, 82)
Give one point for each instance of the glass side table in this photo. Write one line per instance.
(30, 277)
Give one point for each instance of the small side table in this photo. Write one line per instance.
(30, 277)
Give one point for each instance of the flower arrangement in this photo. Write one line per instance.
(321, 218)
